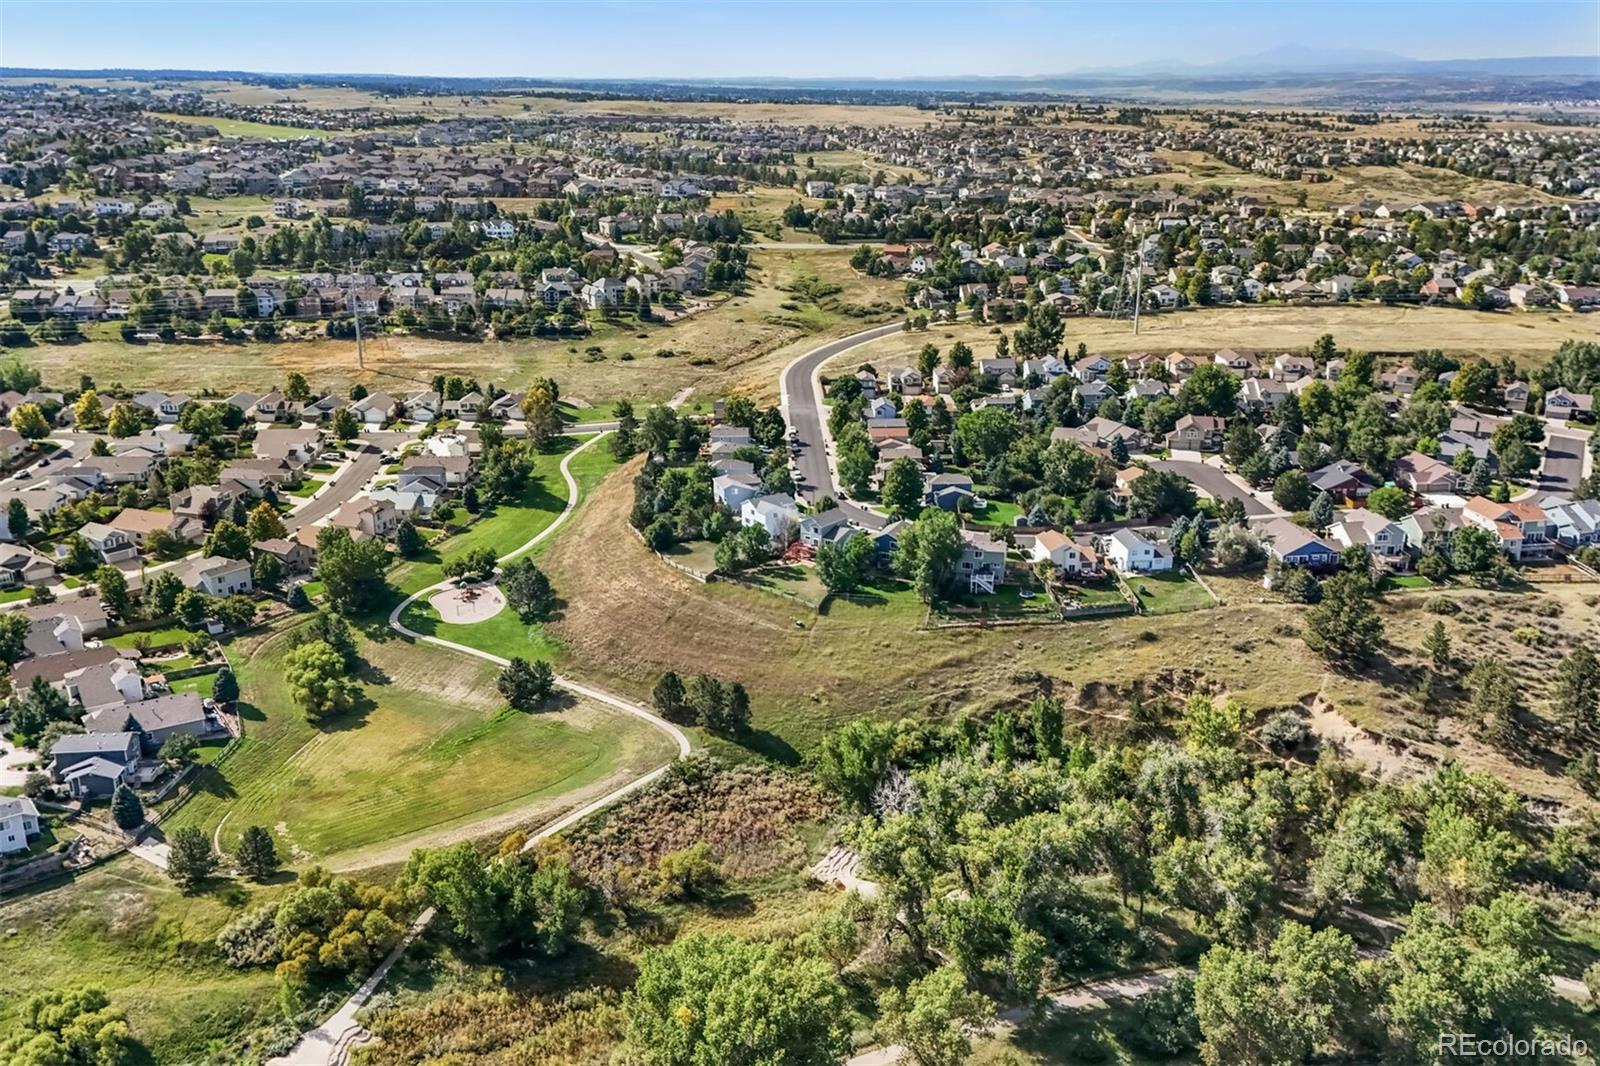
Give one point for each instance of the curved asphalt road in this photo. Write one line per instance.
(801, 403)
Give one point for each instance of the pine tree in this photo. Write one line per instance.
(126, 810)
(255, 854)
(668, 695)
(1577, 689)
(1437, 645)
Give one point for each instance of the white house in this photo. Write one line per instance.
(1059, 549)
(19, 820)
(215, 575)
(1133, 554)
(1381, 536)
(777, 513)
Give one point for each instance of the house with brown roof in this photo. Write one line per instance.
(138, 523)
(1523, 529)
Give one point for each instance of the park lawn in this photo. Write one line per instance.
(505, 635)
(1169, 593)
(124, 928)
(514, 523)
(584, 415)
(233, 127)
(430, 746)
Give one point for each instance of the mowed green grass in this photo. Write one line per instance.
(506, 635)
(515, 522)
(124, 928)
(234, 127)
(432, 744)
(1169, 592)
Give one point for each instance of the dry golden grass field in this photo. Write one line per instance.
(1527, 337)
(740, 343)
(629, 617)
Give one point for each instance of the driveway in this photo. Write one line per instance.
(1214, 483)
(1563, 460)
(804, 412)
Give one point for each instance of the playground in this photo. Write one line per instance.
(468, 604)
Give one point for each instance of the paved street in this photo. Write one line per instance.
(1214, 483)
(803, 410)
(352, 479)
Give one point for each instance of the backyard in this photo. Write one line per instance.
(1169, 592)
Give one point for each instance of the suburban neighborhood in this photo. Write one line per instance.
(739, 545)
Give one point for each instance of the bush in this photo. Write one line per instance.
(1285, 732)
(1441, 605)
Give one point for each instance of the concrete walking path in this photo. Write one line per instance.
(331, 1042)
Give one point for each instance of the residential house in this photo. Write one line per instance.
(1572, 406)
(1524, 530)
(117, 747)
(1381, 536)
(905, 381)
(19, 820)
(375, 408)
(1059, 550)
(1132, 553)
(732, 490)
(111, 544)
(367, 518)
(1423, 474)
(292, 556)
(298, 446)
(215, 575)
(1294, 545)
(1198, 433)
(982, 562)
(138, 523)
(825, 527)
(156, 720)
(776, 512)
(949, 491)
(1343, 479)
(21, 565)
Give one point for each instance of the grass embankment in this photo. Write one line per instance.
(123, 927)
(629, 617)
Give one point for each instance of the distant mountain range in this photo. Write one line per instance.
(1307, 59)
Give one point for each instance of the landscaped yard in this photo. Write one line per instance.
(1404, 581)
(431, 749)
(1099, 593)
(163, 637)
(13, 595)
(999, 514)
(1169, 593)
(308, 487)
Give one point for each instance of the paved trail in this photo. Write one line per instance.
(331, 1042)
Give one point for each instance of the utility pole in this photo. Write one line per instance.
(355, 306)
(1138, 290)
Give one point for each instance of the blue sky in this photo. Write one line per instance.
(707, 38)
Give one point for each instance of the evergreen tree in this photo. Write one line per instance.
(1437, 645)
(255, 854)
(126, 809)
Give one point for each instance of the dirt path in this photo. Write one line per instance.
(1339, 734)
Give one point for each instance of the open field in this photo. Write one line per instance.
(760, 209)
(1527, 337)
(1408, 182)
(629, 617)
(735, 344)
(432, 749)
(232, 127)
(123, 927)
